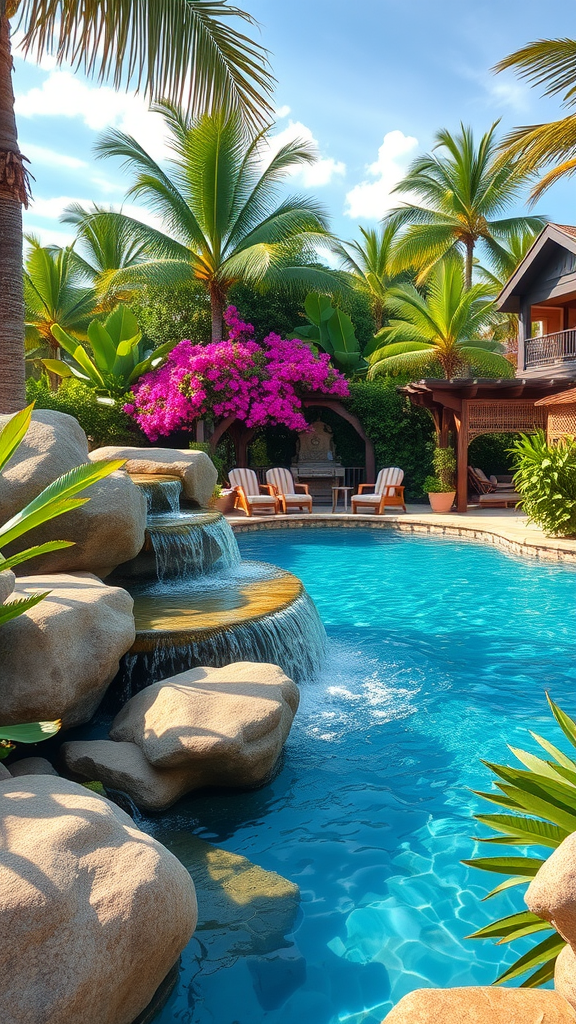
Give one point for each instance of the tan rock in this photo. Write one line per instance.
(7, 584)
(60, 656)
(232, 721)
(97, 912)
(204, 727)
(123, 766)
(565, 975)
(552, 893)
(31, 766)
(107, 530)
(4, 773)
(195, 469)
(481, 1006)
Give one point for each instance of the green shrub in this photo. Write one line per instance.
(103, 424)
(538, 804)
(203, 446)
(491, 452)
(402, 434)
(545, 476)
(171, 314)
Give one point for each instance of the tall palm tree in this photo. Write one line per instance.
(463, 189)
(222, 219)
(183, 49)
(443, 327)
(505, 259)
(53, 294)
(102, 247)
(369, 261)
(550, 63)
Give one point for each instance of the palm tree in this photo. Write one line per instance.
(550, 63)
(222, 218)
(53, 294)
(505, 259)
(369, 261)
(183, 49)
(463, 189)
(444, 328)
(103, 246)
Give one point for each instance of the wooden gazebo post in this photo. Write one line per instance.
(461, 419)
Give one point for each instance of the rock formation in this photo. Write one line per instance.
(94, 912)
(195, 469)
(59, 657)
(481, 1006)
(552, 895)
(107, 530)
(219, 727)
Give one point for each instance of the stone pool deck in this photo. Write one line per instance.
(504, 528)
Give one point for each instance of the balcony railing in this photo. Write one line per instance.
(550, 349)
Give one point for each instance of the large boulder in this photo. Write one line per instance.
(552, 895)
(481, 1006)
(59, 657)
(195, 469)
(107, 530)
(94, 912)
(204, 727)
(7, 584)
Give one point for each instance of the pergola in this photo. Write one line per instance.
(242, 435)
(469, 408)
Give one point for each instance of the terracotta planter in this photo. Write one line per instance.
(441, 501)
(225, 503)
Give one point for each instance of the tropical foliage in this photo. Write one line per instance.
(103, 423)
(444, 462)
(439, 329)
(550, 63)
(332, 330)
(53, 294)
(463, 189)
(222, 219)
(545, 476)
(371, 262)
(118, 355)
(257, 384)
(188, 51)
(539, 802)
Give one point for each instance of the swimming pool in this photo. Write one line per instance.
(439, 654)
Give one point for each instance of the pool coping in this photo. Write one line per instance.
(512, 534)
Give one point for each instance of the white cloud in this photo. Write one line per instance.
(51, 209)
(313, 175)
(372, 199)
(281, 112)
(49, 157)
(63, 94)
(509, 93)
(47, 236)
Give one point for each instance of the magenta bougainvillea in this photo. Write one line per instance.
(258, 384)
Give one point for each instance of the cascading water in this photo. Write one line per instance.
(197, 603)
(162, 493)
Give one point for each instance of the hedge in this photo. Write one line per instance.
(103, 424)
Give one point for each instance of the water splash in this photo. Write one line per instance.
(293, 638)
(191, 544)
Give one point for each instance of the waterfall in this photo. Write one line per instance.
(293, 638)
(162, 493)
(192, 544)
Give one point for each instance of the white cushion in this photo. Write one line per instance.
(368, 499)
(264, 499)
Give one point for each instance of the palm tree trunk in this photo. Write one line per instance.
(217, 300)
(13, 194)
(469, 263)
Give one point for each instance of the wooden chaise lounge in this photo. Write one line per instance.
(492, 493)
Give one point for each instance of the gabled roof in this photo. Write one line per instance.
(565, 398)
(553, 235)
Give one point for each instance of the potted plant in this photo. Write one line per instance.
(440, 487)
(223, 499)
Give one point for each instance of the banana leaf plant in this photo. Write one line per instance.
(540, 805)
(118, 358)
(333, 331)
(53, 501)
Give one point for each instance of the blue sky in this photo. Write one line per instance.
(370, 82)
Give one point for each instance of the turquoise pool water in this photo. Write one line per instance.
(439, 655)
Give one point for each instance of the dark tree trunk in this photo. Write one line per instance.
(13, 194)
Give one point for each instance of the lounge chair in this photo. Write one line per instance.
(289, 494)
(387, 492)
(250, 495)
(491, 493)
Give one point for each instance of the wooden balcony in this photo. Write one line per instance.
(550, 351)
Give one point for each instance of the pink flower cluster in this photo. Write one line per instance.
(258, 384)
